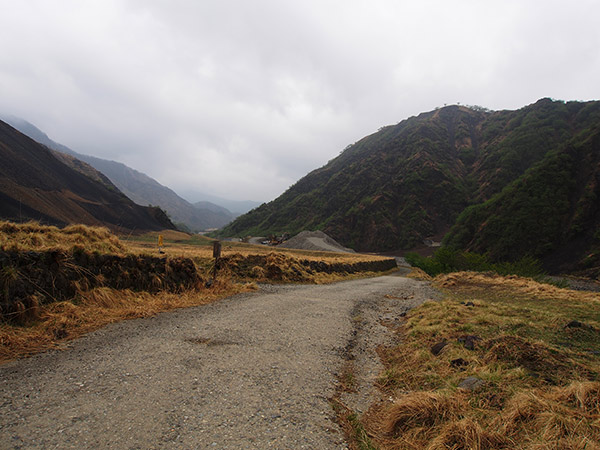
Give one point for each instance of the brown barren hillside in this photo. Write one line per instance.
(34, 184)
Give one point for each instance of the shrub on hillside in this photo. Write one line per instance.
(447, 259)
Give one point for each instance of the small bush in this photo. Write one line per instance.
(447, 259)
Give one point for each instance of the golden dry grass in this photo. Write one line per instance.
(36, 237)
(33, 236)
(177, 243)
(277, 267)
(419, 274)
(418, 411)
(467, 434)
(541, 378)
(523, 286)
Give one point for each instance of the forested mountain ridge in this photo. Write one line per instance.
(551, 212)
(410, 181)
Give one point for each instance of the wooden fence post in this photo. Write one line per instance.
(217, 256)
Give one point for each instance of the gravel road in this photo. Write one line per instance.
(251, 371)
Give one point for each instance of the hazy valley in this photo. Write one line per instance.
(139, 187)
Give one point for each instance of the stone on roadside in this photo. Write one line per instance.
(472, 384)
(437, 348)
(469, 341)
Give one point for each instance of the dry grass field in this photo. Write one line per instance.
(177, 243)
(32, 236)
(49, 325)
(248, 262)
(530, 351)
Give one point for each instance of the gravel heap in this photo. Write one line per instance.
(315, 240)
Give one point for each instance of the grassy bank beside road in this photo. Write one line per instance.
(501, 362)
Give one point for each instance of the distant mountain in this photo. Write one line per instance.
(36, 185)
(145, 190)
(138, 186)
(529, 177)
(237, 207)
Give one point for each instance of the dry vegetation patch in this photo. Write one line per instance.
(501, 362)
(280, 267)
(261, 263)
(196, 246)
(33, 236)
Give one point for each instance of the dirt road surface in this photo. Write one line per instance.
(254, 371)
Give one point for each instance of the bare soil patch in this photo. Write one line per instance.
(315, 240)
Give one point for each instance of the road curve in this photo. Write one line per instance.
(251, 371)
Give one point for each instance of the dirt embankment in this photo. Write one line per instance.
(29, 279)
(278, 267)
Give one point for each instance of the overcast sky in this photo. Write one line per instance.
(241, 98)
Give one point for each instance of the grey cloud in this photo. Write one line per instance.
(241, 99)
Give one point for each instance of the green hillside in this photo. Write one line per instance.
(551, 212)
(413, 180)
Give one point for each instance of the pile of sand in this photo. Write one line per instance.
(315, 240)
